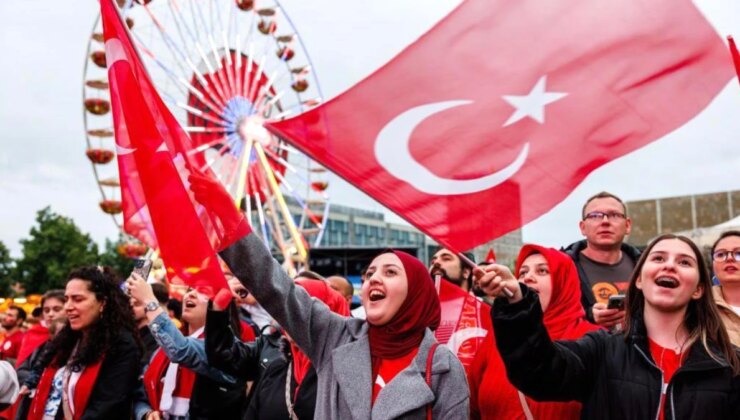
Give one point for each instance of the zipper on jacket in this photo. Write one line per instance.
(660, 392)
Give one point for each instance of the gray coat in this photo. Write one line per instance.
(339, 349)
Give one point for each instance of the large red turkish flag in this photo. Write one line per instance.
(153, 164)
(497, 113)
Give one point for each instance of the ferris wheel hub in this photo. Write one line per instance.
(252, 128)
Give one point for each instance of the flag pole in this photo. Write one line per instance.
(469, 262)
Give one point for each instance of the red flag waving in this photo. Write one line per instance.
(152, 162)
(511, 104)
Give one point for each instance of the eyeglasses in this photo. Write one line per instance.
(722, 255)
(599, 215)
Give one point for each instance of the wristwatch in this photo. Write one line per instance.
(151, 306)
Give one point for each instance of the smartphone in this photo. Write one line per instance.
(142, 267)
(616, 302)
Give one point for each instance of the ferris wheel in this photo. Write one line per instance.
(223, 67)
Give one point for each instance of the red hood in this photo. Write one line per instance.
(35, 336)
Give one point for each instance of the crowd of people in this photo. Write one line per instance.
(596, 330)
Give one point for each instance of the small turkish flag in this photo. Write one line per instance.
(153, 164)
(491, 257)
(498, 112)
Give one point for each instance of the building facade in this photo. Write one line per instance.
(350, 227)
(654, 217)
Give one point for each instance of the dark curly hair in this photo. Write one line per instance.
(117, 318)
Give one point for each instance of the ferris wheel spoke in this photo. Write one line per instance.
(202, 97)
(272, 184)
(246, 156)
(176, 17)
(211, 70)
(205, 146)
(262, 93)
(302, 204)
(255, 79)
(261, 217)
(177, 54)
(325, 216)
(229, 65)
(219, 69)
(247, 74)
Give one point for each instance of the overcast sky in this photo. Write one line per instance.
(42, 159)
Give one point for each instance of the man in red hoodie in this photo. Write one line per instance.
(12, 322)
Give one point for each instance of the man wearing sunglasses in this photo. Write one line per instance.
(603, 259)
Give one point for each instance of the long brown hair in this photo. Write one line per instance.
(702, 318)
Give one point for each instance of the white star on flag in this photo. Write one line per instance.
(533, 104)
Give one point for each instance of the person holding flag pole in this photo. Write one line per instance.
(386, 366)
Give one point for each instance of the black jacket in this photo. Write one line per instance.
(268, 399)
(232, 356)
(112, 394)
(214, 400)
(587, 295)
(613, 377)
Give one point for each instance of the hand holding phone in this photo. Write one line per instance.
(616, 302)
(142, 267)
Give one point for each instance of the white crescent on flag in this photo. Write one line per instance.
(393, 153)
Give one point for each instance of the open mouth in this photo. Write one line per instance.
(376, 295)
(189, 304)
(731, 269)
(667, 282)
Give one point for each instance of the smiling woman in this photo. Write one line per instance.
(94, 359)
(726, 264)
(673, 360)
(387, 366)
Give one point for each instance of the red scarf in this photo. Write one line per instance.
(321, 291)
(83, 390)
(154, 385)
(563, 320)
(419, 311)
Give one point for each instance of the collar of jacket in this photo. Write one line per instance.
(353, 372)
(697, 360)
(719, 299)
(574, 250)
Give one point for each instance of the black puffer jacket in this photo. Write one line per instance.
(612, 377)
(587, 295)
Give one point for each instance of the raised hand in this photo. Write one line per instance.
(494, 279)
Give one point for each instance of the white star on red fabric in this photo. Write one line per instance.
(533, 104)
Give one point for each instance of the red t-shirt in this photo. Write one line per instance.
(668, 361)
(10, 346)
(388, 370)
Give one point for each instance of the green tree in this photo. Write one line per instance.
(55, 246)
(112, 258)
(6, 267)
